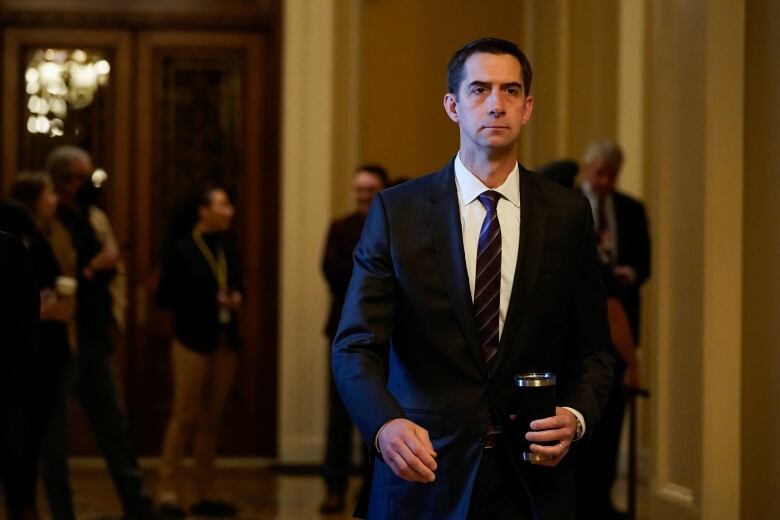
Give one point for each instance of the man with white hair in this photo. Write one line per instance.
(96, 388)
(624, 247)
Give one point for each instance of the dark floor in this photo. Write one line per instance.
(255, 487)
(258, 491)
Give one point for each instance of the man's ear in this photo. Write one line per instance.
(529, 108)
(451, 106)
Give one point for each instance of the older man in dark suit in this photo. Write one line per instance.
(464, 278)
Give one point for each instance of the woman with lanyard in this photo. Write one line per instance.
(200, 281)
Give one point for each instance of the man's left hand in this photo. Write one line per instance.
(561, 429)
(624, 274)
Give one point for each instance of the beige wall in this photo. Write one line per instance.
(676, 156)
(402, 75)
(761, 275)
(405, 48)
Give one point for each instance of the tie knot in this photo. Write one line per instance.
(489, 199)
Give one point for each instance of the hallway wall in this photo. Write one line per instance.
(761, 273)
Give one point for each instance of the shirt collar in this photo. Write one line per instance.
(470, 187)
(588, 191)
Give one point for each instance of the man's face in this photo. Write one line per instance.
(218, 214)
(601, 176)
(366, 185)
(79, 172)
(491, 106)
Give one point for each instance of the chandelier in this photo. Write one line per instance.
(58, 80)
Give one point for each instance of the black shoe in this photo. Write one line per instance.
(214, 508)
(171, 510)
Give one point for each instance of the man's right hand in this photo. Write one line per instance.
(408, 451)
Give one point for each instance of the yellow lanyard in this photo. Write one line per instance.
(218, 265)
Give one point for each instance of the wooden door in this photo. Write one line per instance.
(102, 128)
(179, 107)
(200, 118)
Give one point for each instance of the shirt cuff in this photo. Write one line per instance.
(376, 439)
(577, 414)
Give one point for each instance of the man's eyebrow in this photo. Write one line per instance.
(478, 83)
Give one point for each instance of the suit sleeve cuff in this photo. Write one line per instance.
(376, 437)
(577, 414)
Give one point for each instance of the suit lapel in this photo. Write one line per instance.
(445, 228)
(533, 223)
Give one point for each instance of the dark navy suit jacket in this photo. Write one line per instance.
(409, 299)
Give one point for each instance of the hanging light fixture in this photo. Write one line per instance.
(58, 80)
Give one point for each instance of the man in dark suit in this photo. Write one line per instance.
(71, 169)
(620, 224)
(342, 238)
(460, 293)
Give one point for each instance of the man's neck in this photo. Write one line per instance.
(203, 229)
(491, 168)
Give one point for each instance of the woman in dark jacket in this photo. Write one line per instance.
(29, 215)
(200, 282)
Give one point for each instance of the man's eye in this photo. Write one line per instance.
(478, 90)
(513, 91)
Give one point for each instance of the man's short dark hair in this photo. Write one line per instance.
(489, 46)
(375, 169)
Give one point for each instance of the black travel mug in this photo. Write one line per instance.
(534, 399)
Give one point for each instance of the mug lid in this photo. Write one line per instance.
(535, 379)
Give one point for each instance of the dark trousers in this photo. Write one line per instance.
(338, 454)
(97, 393)
(596, 465)
(18, 449)
(498, 494)
(22, 426)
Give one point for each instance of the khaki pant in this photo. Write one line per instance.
(200, 386)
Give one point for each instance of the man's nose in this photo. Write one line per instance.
(497, 107)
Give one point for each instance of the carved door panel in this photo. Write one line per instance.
(201, 120)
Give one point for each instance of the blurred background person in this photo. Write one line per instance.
(30, 215)
(621, 224)
(563, 171)
(342, 238)
(624, 247)
(19, 308)
(200, 281)
(96, 387)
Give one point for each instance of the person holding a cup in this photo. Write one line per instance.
(464, 279)
(30, 214)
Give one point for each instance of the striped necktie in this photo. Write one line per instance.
(487, 286)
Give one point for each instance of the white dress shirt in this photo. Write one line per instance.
(472, 213)
(609, 212)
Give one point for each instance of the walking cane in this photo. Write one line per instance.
(631, 395)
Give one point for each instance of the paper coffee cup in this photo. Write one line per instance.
(66, 285)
